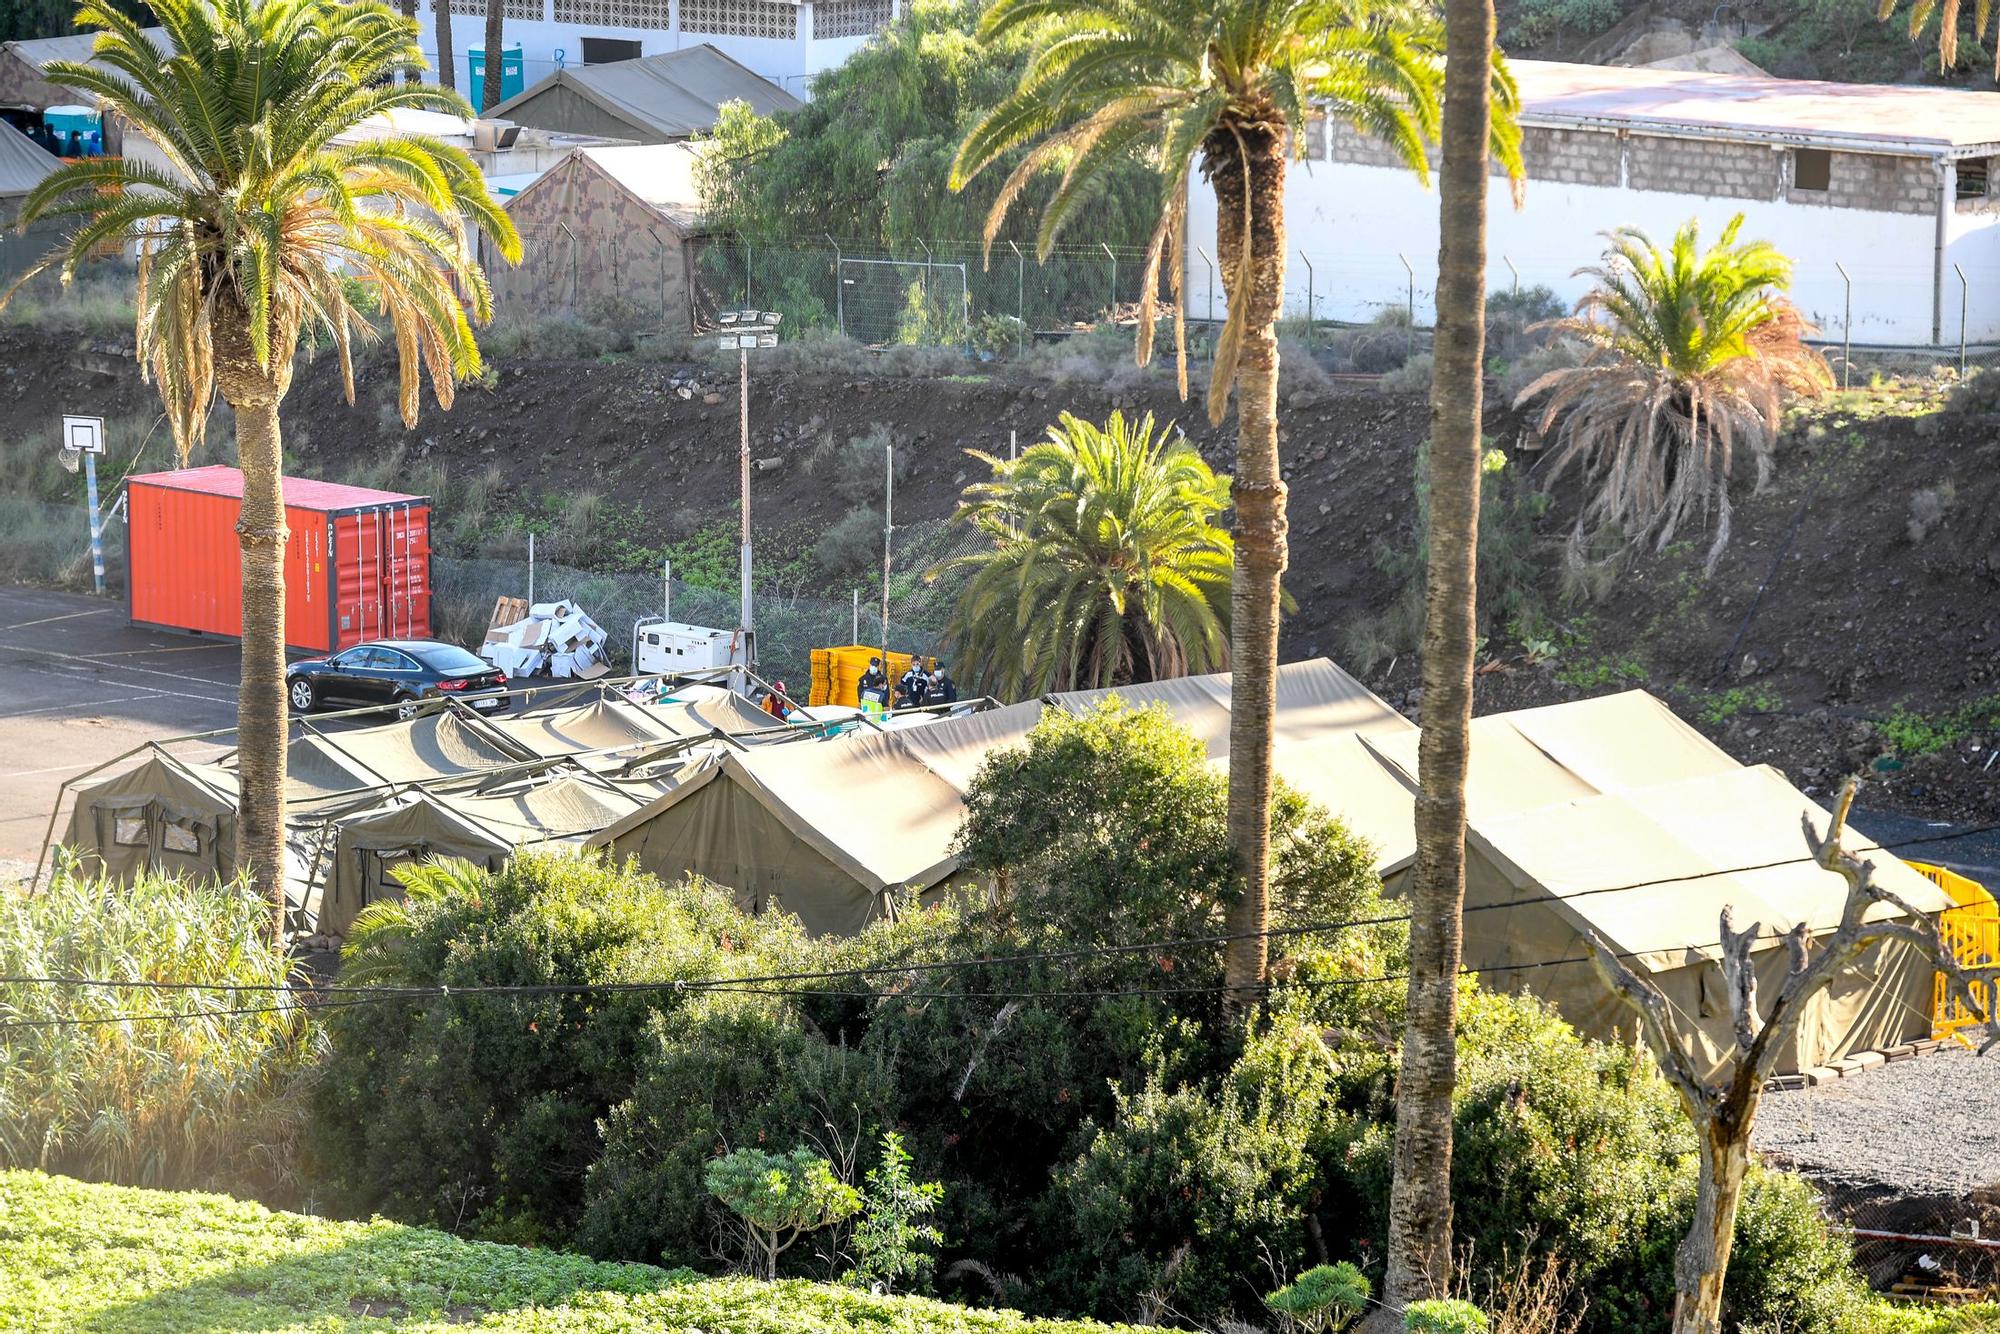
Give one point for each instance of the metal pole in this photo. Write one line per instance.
(96, 521)
(924, 290)
(575, 290)
(1206, 259)
(1410, 339)
(1013, 455)
(743, 420)
(1516, 272)
(854, 634)
(1309, 288)
(1020, 291)
(1963, 291)
(749, 255)
(888, 529)
(531, 568)
(1846, 324)
(666, 591)
(1111, 309)
(839, 291)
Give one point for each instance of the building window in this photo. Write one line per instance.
(741, 18)
(849, 18)
(605, 50)
(181, 836)
(1973, 176)
(1812, 169)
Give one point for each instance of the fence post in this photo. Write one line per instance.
(531, 567)
(660, 258)
(1020, 292)
(575, 296)
(1410, 338)
(924, 290)
(1111, 308)
(1206, 259)
(1516, 272)
(749, 254)
(1963, 293)
(616, 285)
(1846, 323)
(1309, 289)
(839, 288)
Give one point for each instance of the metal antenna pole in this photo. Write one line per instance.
(1846, 323)
(888, 529)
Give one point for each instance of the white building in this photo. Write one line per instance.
(785, 41)
(1891, 183)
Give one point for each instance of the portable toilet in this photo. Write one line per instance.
(513, 71)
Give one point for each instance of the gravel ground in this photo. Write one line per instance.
(1928, 1126)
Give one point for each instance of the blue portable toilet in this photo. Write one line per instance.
(513, 71)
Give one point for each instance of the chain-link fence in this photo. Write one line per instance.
(1941, 1248)
(48, 544)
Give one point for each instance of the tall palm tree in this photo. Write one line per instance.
(1420, 1251)
(1690, 355)
(1228, 82)
(447, 66)
(262, 229)
(1946, 12)
(1106, 566)
(489, 90)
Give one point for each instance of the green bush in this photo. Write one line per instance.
(214, 1101)
(1444, 1316)
(1324, 1298)
(890, 1245)
(479, 1112)
(778, 1198)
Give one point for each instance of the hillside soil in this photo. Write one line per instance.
(1852, 624)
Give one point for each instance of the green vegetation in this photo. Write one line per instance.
(1719, 706)
(217, 1100)
(1106, 564)
(1537, 23)
(1444, 1316)
(891, 1247)
(1323, 1299)
(1690, 357)
(778, 1198)
(1912, 734)
(87, 1257)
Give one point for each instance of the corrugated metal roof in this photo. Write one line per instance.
(1885, 116)
(672, 95)
(39, 51)
(219, 479)
(23, 162)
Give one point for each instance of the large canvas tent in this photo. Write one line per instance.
(656, 99)
(24, 164)
(1613, 816)
(484, 829)
(165, 814)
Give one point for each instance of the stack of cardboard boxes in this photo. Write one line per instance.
(555, 639)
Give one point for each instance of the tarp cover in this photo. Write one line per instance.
(654, 99)
(23, 162)
(484, 830)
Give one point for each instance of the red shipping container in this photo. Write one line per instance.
(357, 563)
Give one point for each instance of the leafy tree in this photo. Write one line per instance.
(1690, 355)
(1105, 568)
(1231, 84)
(890, 1242)
(259, 231)
(779, 1197)
(867, 159)
(1324, 1298)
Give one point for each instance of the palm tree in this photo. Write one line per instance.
(1946, 12)
(447, 66)
(1419, 1250)
(1689, 356)
(489, 92)
(262, 229)
(1105, 568)
(1229, 83)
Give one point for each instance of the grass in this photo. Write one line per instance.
(1911, 734)
(91, 1258)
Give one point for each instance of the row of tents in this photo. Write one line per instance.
(1607, 815)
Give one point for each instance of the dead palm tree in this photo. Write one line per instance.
(1689, 358)
(1105, 565)
(1230, 85)
(261, 229)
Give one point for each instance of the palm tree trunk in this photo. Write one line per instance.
(489, 93)
(447, 66)
(1420, 1198)
(1251, 161)
(254, 393)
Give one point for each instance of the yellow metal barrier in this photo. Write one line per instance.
(1971, 930)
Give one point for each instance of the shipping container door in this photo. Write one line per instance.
(406, 564)
(357, 555)
(305, 581)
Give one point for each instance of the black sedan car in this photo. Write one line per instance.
(403, 672)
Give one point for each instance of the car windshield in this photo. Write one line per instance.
(451, 658)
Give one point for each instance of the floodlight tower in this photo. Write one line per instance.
(743, 331)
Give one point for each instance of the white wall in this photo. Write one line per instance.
(1352, 222)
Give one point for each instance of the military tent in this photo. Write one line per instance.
(827, 830)
(24, 164)
(165, 814)
(602, 733)
(1612, 815)
(436, 745)
(1315, 698)
(484, 829)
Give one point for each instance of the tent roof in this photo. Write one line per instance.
(436, 745)
(1315, 698)
(660, 175)
(599, 725)
(542, 812)
(1356, 786)
(673, 95)
(954, 748)
(1691, 841)
(24, 164)
(860, 800)
(190, 788)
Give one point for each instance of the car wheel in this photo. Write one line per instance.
(301, 691)
(406, 709)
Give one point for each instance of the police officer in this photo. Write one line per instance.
(874, 687)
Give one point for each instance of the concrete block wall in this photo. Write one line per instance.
(1711, 168)
(1576, 157)
(1876, 182)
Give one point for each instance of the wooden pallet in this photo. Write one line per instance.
(506, 611)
